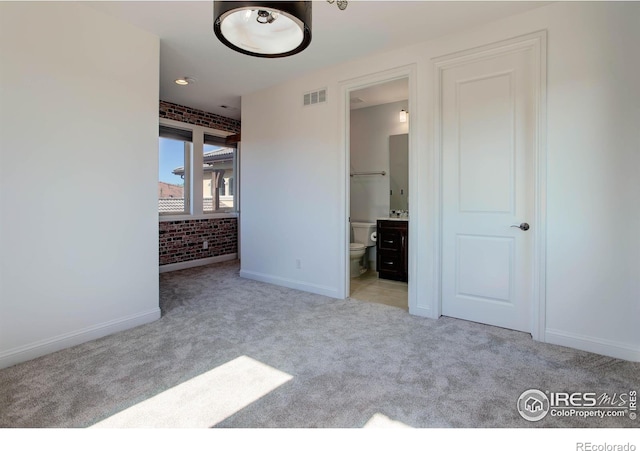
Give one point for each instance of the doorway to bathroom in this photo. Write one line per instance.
(378, 192)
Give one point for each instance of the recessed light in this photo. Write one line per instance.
(185, 81)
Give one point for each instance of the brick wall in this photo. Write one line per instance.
(190, 115)
(182, 240)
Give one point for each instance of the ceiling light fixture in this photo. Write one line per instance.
(184, 81)
(342, 4)
(265, 29)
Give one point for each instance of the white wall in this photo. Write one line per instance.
(593, 272)
(292, 203)
(370, 129)
(78, 177)
(593, 215)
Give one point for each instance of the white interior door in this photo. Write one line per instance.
(488, 137)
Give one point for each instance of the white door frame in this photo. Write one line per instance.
(410, 73)
(537, 43)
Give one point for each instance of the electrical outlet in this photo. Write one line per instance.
(298, 264)
(205, 245)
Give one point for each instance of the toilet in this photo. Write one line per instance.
(363, 238)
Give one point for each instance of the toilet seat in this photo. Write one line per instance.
(356, 246)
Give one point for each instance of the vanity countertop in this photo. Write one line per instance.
(394, 219)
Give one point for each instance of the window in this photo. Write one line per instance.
(174, 153)
(219, 165)
(183, 187)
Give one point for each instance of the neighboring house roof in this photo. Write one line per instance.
(216, 155)
(169, 190)
(210, 159)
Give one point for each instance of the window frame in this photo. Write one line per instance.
(195, 177)
(222, 193)
(186, 158)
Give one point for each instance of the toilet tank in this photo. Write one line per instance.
(362, 232)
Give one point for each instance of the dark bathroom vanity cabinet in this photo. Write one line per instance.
(392, 249)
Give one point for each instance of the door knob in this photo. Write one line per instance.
(524, 226)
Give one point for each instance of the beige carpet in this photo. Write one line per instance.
(230, 352)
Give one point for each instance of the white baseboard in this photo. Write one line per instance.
(47, 346)
(290, 283)
(421, 311)
(199, 262)
(596, 345)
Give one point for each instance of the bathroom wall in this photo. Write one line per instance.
(369, 142)
(181, 240)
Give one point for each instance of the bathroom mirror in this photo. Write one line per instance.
(399, 172)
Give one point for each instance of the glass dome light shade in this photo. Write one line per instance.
(287, 32)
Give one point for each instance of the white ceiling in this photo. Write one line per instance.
(391, 91)
(188, 46)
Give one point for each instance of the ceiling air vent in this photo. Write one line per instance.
(315, 97)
